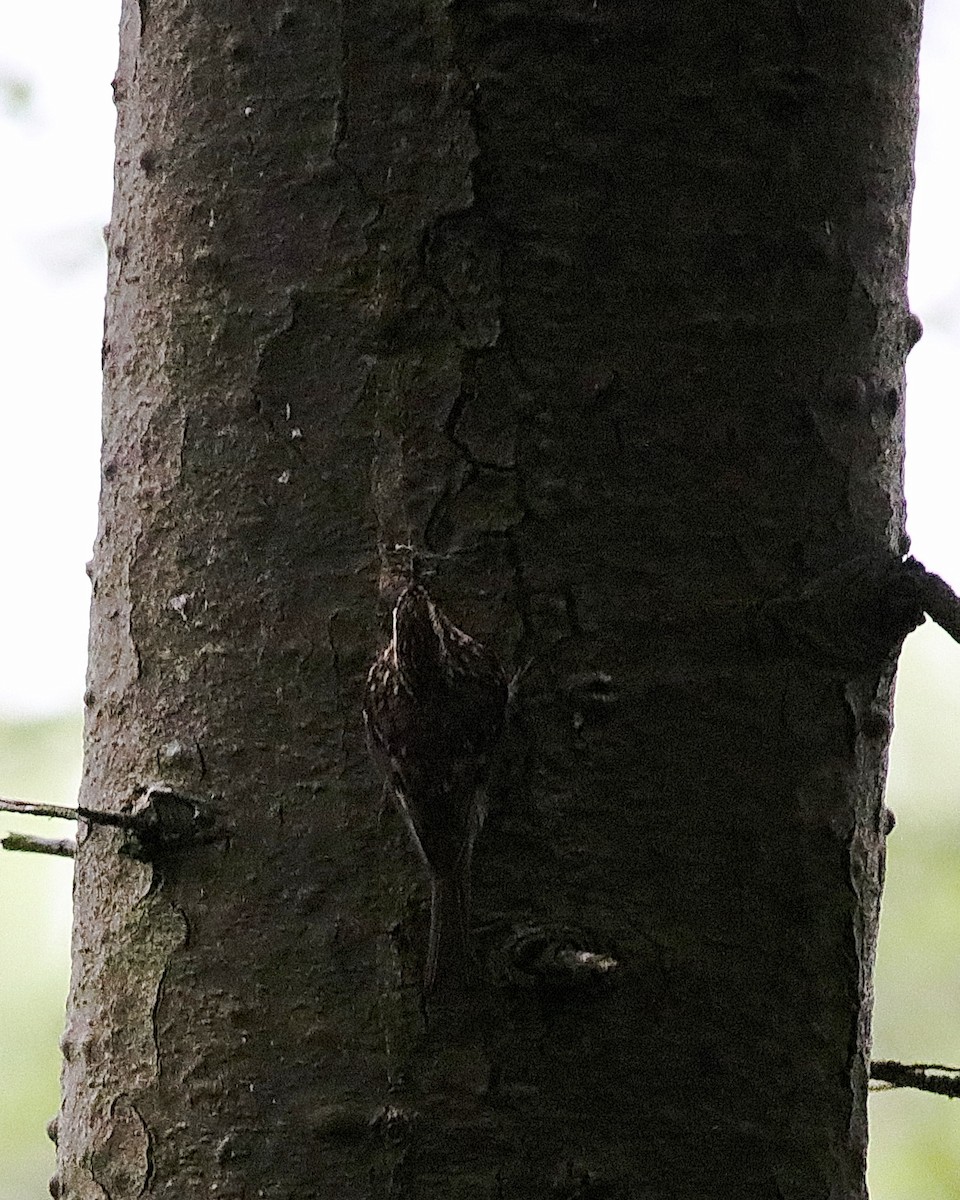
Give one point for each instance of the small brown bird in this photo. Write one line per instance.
(434, 710)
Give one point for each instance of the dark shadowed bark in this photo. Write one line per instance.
(600, 305)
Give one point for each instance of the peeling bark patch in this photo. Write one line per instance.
(112, 1055)
(268, 346)
(159, 931)
(121, 1164)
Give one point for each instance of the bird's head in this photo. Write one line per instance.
(417, 642)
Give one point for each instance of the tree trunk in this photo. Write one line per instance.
(601, 307)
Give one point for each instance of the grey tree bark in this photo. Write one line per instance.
(601, 306)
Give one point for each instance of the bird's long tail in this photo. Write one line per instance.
(449, 960)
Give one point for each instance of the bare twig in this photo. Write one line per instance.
(926, 1077)
(63, 847)
(28, 808)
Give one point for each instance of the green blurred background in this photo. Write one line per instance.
(39, 760)
(915, 1137)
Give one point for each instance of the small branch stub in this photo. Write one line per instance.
(938, 599)
(585, 962)
(860, 610)
(161, 821)
(856, 613)
(559, 956)
(167, 821)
